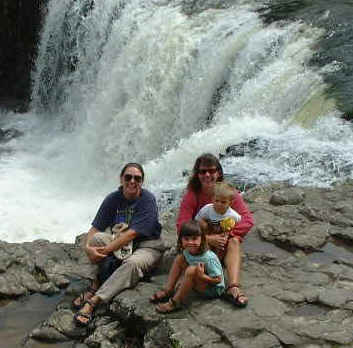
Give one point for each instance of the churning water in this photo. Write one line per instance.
(160, 82)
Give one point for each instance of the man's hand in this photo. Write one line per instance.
(95, 254)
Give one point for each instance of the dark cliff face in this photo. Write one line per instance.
(19, 28)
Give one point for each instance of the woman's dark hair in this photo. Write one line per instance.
(207, 160)
(192, 228)
(135, 165)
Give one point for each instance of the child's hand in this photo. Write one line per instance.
(227, 224)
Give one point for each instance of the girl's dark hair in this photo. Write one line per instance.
(192, 228)
(207, 160)
(135, 165)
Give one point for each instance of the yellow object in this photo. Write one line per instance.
(227, 224)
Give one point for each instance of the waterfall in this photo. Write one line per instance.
(160, 82)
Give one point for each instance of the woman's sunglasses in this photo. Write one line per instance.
(209, 170)
(129, 177)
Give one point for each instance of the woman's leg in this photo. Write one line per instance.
(98, 239)
(142, 261)
(84, 315)
(126, 276)
(232, 261)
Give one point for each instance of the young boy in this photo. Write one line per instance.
(218, 217)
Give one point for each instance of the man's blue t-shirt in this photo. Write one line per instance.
(140, 214)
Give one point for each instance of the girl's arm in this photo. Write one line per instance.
(206, 278)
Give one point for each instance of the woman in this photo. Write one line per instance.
(136, 207)
(206, 172)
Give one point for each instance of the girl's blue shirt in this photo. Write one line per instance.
(213, 266)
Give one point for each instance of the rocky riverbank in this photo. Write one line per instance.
(298, 274)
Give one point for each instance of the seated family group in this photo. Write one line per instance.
(125, 241)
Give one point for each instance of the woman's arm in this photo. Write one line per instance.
(200, 269)
(187, 209)
(93, 253)
(246, 222)
(118, 243)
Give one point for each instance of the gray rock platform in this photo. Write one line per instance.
(297, 272)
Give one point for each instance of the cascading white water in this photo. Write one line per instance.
(120, 81)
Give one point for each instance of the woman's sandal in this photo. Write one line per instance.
(83, 298)
(239, 300)
(168, 307)
(88, 316)
(161, 296)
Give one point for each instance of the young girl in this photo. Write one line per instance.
(203, 270)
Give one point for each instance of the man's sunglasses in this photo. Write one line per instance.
(129, 177)
(209, 170)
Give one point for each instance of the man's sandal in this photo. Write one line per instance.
(83, 298)
(161, 296)
(238, 300)
(168, 307)
(88, 316)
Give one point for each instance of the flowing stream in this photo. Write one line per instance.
(160, 82)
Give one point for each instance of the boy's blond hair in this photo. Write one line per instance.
(224, 189)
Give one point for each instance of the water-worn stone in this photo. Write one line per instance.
(48, 334)
(290, 196)
(294, 300)
(110, 334)
(342, 233)
(62, 321)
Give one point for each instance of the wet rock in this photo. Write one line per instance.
(342, 233)
(190, 7)
(8, 134)
(108, 335)
(48, 289)
(291, 196)
(62, 321)
(252, 146)
(297, 235)
(337, 298)
(48, 334)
